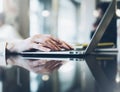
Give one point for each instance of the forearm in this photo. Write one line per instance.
(6, 47)
(15, 46)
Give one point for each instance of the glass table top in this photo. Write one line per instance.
(93, 73)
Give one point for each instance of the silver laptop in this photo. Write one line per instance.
(92, 45)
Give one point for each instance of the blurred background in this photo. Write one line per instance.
(69, 20)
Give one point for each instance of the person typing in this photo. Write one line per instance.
(40, 42)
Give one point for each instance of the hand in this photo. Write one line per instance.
(36, 65)
(39, 42)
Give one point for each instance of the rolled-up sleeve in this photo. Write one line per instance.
(2, 53)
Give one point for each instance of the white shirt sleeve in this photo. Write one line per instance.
(2, 54)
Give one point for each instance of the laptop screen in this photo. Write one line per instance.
(110, 12)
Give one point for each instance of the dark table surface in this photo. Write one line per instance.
(94, 73)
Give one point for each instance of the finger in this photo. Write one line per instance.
(45, 42)
(40, 47)
(51, 64)
(54, 39)
(38, 69)
(70, 47)
(65, 46)
(55, 45)
(40, 39)
(51, 45)
(55, 67)
(42, 70)
(38, 63)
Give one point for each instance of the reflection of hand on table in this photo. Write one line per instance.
(38, 42)
(37, 66)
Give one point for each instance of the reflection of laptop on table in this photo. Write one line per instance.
(92, 45)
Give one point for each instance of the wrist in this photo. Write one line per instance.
(16, 46)
(10, 47)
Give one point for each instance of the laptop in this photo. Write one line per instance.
(92, 45)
